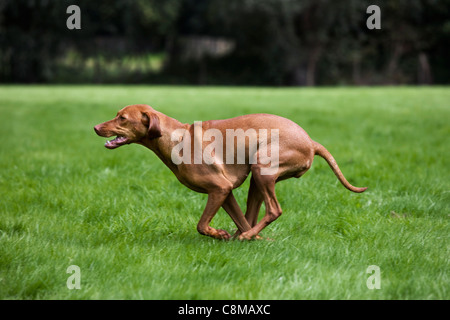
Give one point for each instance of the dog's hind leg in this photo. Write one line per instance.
(266, 185)
(254, 202)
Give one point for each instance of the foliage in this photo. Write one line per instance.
(288, 42)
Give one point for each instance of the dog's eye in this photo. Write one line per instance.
(122, 118)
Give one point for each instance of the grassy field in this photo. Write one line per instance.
(124, 219)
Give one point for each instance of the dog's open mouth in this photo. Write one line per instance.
(117, 142)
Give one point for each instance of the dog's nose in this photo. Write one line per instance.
(97, 129)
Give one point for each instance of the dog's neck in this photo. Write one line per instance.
(163, 145)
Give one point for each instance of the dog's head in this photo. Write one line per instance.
(132, 124)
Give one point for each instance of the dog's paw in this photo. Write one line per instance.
(246, 236)
(222, 234)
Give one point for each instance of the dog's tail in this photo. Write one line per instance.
(320, 150)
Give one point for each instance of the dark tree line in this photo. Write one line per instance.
(256, 42)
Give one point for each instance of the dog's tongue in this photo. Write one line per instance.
(115, 142)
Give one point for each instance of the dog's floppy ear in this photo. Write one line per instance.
(151, 120)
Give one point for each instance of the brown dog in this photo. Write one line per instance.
(217, 169)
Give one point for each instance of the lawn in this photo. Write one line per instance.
(128, 224)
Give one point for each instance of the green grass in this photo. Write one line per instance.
(124, 219)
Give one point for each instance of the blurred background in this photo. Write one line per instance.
(226, 42)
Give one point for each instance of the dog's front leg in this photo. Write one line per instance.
(254, 202)
(234, 211)
(215, 201)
